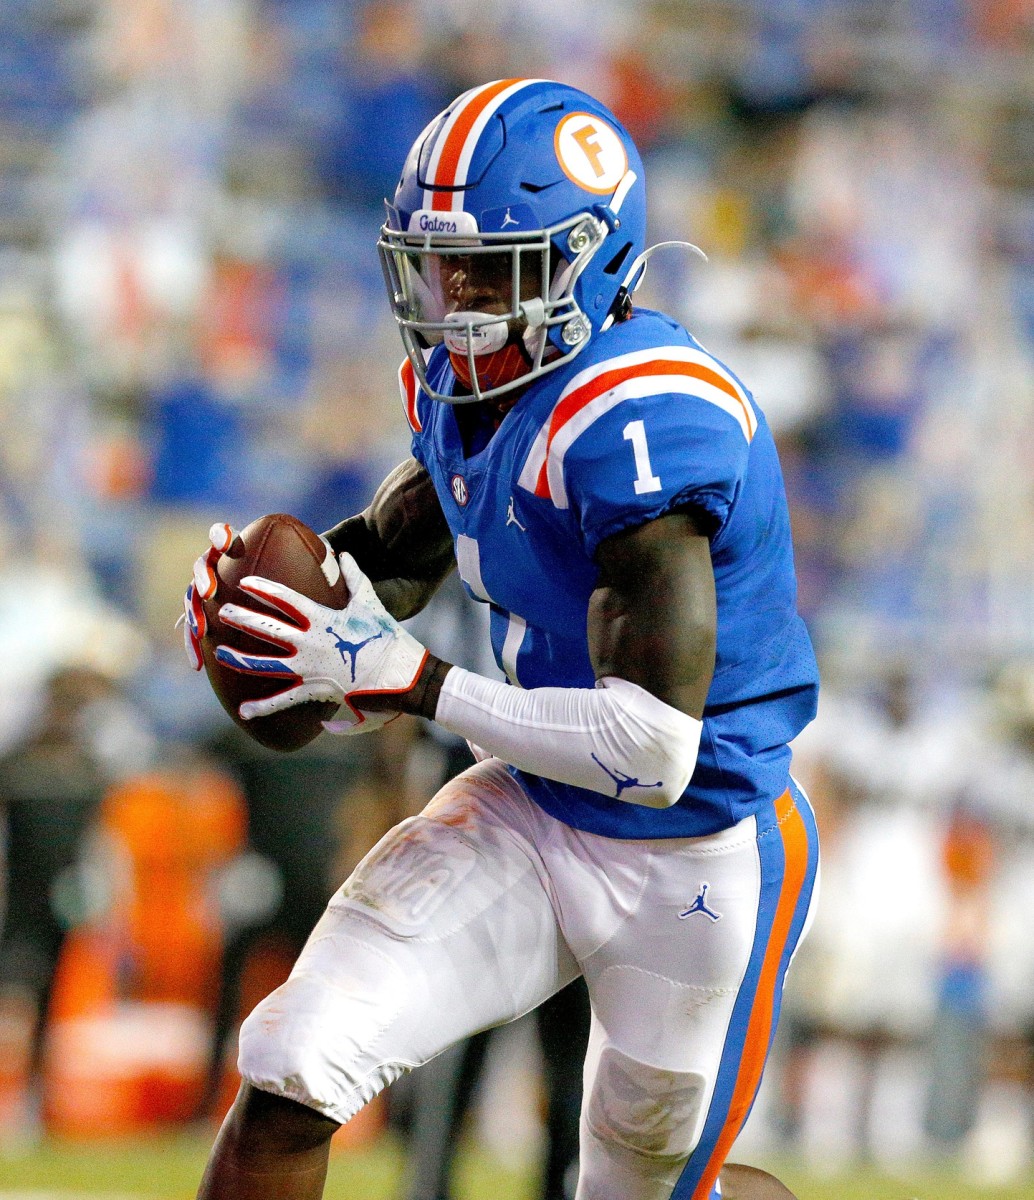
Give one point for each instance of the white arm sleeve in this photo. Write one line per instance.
(615, 739)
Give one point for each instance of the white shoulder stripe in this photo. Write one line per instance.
(567, 435)
(631, 389)
(537, 455)
(533, 463)
(553, 439)
(635, 358)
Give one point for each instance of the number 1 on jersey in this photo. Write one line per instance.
(645, 480)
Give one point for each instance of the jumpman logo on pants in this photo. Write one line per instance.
(699, 905)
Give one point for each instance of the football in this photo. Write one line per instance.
(282, 548)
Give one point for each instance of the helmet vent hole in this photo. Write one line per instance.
(551, 108)
(614, 265)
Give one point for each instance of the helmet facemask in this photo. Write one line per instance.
(502, 303)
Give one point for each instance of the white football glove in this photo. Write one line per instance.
(331, 654)
(202, 587)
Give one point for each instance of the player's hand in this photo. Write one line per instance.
(333, 654)
(202, 587)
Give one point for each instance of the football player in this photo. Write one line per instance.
(612, 492)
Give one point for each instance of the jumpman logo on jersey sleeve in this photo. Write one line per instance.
(511, 517)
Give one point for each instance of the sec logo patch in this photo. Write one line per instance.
(590, 152)
(459, 490)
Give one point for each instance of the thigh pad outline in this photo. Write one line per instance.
(649, 1110)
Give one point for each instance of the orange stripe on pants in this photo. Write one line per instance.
(759, 1029)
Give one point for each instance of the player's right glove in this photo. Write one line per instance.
(340, 655)
(201, 588)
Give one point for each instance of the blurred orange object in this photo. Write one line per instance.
(173, 830)
(133, 1067)
(969, 857)
(238, 311)
(128, 1040)
(117, 466)
(364, 1128)
(969, 851)
(85, 981)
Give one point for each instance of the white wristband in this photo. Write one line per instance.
(616, 738)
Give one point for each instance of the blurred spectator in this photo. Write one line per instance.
(959, 1039)
(387, 70)
(51, 616)
(51, 786)
(885, 762)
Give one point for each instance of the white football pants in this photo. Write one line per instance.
(474, 912)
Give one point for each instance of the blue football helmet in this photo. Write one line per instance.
(520, 210)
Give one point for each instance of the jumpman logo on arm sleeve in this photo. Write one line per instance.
(623, 781)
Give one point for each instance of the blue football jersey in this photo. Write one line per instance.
(642, 421)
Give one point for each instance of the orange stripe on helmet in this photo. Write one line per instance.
(794, 835)
(456, 138)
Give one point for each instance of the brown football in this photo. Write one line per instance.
(276, 547)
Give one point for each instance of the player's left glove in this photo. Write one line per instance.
(339, 655)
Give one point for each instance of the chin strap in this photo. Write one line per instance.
(637, 273)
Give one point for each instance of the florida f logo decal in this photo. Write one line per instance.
(590, 152)
(586, 138)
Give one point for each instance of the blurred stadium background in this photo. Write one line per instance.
(192, 328)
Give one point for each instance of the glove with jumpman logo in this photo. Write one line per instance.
(350, 655)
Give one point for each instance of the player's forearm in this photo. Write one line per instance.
(616, 738)
(401, 541)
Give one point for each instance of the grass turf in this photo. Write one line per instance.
(169, 1167)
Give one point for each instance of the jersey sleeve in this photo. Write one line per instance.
(409, 390)
(648, 454)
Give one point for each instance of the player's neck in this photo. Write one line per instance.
(479, 422)
(499, 406)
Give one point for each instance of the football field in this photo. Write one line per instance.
(169, 1167)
